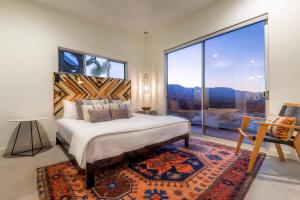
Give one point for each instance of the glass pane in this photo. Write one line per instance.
(184, 84)
(116, 70)
(234, 79)
(70, 62)
(96, 66)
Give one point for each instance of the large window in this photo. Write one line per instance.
(90, 65)
(214, 81)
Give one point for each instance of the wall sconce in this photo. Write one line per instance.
(146, 84)
(147, 92)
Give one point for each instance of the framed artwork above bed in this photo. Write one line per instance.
(76, 87)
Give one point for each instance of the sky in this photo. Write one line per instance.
(235, 60)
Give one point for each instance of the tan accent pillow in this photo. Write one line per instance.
(121, 113)
(85, 110)
(99, 115)
(281, 132)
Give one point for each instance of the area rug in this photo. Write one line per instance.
(204, 171)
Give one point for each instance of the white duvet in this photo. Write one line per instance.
(84, 133)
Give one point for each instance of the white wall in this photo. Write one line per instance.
(29, 37)
(284, 43)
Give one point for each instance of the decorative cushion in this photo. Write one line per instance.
(78, 104)
(127, 105)
(115, 101)
(85, 110)
(70, 110)
(94, 101)
(99, 115)
(114, 106)
(281, 132)
(121, 113)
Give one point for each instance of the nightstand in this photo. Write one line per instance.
(151, 112)
(32, 121)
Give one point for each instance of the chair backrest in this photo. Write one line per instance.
(291, 110)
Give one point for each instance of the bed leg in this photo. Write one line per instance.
(90, 176)
(187, 141)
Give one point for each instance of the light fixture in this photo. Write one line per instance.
(146, 84)
(146, 87)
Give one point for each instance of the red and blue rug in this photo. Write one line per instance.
(204, 171)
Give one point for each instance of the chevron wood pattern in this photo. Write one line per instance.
(72, 86)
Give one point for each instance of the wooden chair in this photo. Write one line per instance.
(287, 110)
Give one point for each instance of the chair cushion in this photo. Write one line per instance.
(281, 132)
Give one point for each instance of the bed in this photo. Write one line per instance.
(97, 145)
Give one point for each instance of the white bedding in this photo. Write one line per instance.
(90, 142)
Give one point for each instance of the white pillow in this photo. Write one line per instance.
(85, 111)
(70, 110)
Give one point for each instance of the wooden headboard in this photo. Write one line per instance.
(72, 86)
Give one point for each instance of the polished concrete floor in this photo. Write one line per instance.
(276, 179)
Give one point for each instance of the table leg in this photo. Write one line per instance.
(12, 151)
(38, 133)
(32, 152)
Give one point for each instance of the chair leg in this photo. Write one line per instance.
(261, 133)
(279, 151)
(297, 144)
(240, 141)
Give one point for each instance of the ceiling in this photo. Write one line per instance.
(132, 15)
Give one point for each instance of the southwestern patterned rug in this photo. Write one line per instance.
(205, 171)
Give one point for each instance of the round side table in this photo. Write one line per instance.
(32, 121)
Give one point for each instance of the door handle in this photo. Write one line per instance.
(266, 94)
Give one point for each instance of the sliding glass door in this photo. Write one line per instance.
(234, 79)
(184, 84)
(224, 76)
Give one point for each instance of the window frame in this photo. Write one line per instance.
(108, 59)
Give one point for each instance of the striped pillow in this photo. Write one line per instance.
(78, 104)
(85, 110)
(127, 105)
(114, 106)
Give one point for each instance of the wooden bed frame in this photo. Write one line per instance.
(100, 164)
(75, 87)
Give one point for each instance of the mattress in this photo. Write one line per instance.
(109, 144)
